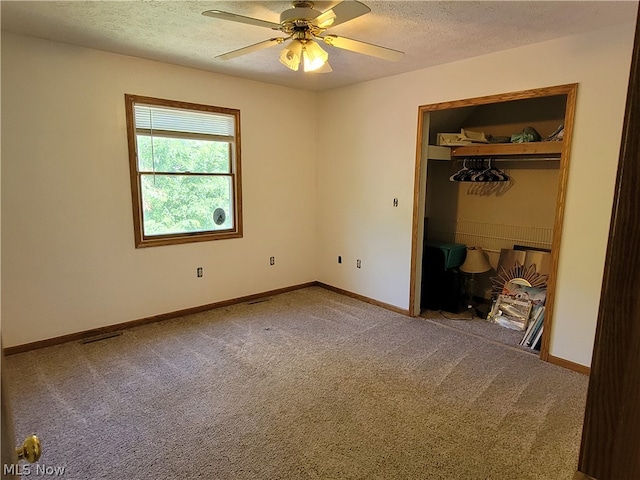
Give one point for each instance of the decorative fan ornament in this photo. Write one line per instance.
(304, 27)
(518, 274)
(219, 216)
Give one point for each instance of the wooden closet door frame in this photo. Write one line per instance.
(420, 188)
(610, 447)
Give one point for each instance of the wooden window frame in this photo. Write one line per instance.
(142, 240)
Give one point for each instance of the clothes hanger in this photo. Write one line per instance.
(477, 172)
(456, 176)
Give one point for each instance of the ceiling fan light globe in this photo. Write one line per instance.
(314, 57)
(312, 65)
(326, 68)
(290, 55)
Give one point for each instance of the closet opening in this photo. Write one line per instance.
(490, 185)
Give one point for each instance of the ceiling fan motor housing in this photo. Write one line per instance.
(300, 11)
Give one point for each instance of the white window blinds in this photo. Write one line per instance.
(151, 118)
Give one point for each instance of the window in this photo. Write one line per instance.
(184, 160)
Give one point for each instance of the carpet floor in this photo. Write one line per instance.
(474, 325)
(307, 384)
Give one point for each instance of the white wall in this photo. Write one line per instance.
(68, 257)
(368, 137)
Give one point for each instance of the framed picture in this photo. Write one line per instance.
(511, 312)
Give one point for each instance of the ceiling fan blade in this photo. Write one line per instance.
(363, 47)
(241, 19)
(251, 48)
(341, 13)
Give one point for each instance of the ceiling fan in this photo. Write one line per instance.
(304, 26)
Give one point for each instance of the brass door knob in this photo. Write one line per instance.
(30, 450)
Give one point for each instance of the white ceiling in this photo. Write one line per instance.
(429, 32)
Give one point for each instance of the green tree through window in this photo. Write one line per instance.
(184, 161)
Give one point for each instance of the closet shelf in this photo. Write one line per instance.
(436, 152)
(498, 149)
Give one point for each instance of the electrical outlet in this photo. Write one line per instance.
(339, 258)
(359, 263)
(395, 202)
(272, 260)
(199, 272)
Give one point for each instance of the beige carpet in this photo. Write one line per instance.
(474, 325)
(309, 384)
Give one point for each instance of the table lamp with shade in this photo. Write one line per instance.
(474, 263)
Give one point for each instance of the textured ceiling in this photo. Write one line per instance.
(429, 32)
